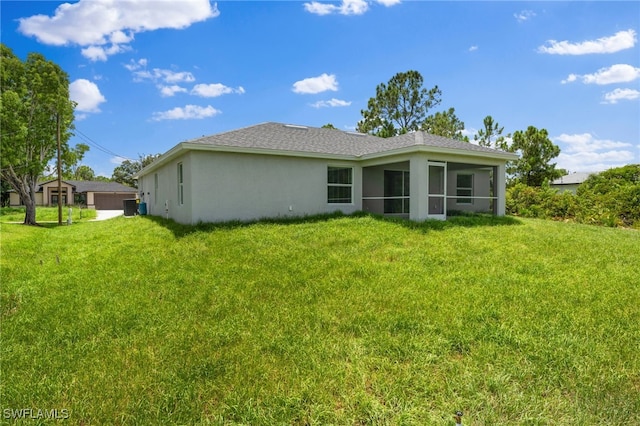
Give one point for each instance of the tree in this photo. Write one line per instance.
(445, 124)
(34, 104)
(70, 159)
(491, 134)
(329, 126)
(536, 151)
(83, 172)
(125, 172)
(399, 106)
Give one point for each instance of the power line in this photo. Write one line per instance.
(96, 145)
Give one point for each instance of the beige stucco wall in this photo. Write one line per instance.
(231, 186)
(52, 187)
(14, 199)
(42, 198)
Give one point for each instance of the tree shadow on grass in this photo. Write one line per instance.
(464, 220)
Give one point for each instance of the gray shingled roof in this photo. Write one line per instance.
(286, 137)
(572, 179)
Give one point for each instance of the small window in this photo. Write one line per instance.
(339, 185)
(155, 188)
(464, 188)
(180, 185)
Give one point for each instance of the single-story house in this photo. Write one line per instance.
(570, 182)
(277, 170)
(92, 194)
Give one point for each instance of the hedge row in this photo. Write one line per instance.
(610, 198)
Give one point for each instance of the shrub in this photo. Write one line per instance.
(540, 202)
(610, 198)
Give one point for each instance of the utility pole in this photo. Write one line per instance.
(59, 170)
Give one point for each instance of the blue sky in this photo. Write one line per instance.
(150, 74)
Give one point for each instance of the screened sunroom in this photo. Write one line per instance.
(423, 189)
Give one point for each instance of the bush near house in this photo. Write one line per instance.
(610, 198)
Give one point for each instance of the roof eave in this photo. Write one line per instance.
(501, 155)
(190, 146)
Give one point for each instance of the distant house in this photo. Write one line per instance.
(276, 170)
(92, 194)
(570, 182)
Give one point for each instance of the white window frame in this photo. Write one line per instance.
(468, 199)
(155, 188)
(340, 185)
(180, 184)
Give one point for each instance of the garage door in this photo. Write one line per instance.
(111, 201)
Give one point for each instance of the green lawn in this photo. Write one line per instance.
(335, 320)
(47, 214)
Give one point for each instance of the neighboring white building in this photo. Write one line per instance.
(570, 182)
(277, 170)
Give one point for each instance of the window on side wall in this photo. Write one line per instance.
(180, 185)
(339, 185)
(464, 188)
(155, 188)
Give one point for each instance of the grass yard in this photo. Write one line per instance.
(335, 320)
(47, 214)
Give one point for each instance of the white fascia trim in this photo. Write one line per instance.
(505, 156)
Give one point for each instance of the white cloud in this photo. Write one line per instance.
(586, 142)
(167, 76)
(99, 53)
(619, 73)
(570, 78)
(87, 95)
(136, 65)
(158, 75)
(347, 7)
(214, 90)
(331, 103)
(473, 48)
(586, 153)
(320, 8)
(388, 3)
(470, 132)
(168, 91)
(620, 94)
(524, 15)
(105, 27)
(120, 37)
(117, 160)
(189, 112)
(619, 41)
(167, 81)
(313, 85)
